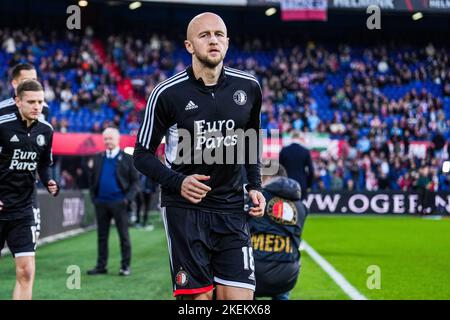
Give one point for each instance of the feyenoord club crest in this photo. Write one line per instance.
(282, 211)
(181, 278)
(40, 140)
(240, 97)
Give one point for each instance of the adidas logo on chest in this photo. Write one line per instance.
(14, 139)
(191, 105)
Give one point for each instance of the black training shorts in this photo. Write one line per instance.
(207, 248)
(20, 235)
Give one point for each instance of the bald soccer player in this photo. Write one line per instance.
(207, 231)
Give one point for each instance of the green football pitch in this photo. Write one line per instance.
(411, 254)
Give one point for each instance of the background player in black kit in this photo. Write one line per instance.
(276, 237)
(25, 148)
(207, 230)
(20, 73)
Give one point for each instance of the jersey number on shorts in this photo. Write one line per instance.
(33, 233)
(248, 258)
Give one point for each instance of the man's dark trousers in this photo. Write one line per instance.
(105, 211)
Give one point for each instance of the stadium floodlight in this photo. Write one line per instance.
(271, 11)
(82, 3)
(446, 166)
(134, 5)
(417, 16)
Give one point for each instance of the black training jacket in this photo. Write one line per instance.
(212, 116)
(23, 152)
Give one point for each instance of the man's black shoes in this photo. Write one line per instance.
(96, 271)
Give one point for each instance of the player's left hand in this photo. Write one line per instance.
(53, 187)
(259, 201)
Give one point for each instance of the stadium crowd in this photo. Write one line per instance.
(379, 99)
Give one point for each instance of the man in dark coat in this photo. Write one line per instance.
(296, 159)
(113, 185)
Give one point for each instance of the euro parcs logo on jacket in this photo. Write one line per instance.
(282, 211)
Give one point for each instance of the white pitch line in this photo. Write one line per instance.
(351, 291)
(436, 218)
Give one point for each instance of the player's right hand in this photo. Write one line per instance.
(1, 205)
(53, 188)
(193, 190)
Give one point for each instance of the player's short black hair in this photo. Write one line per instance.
(15, 71)
(29, 85)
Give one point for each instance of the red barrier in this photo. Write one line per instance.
(83, 144)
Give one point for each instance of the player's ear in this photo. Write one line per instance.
(14, 84)
(188, 46)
